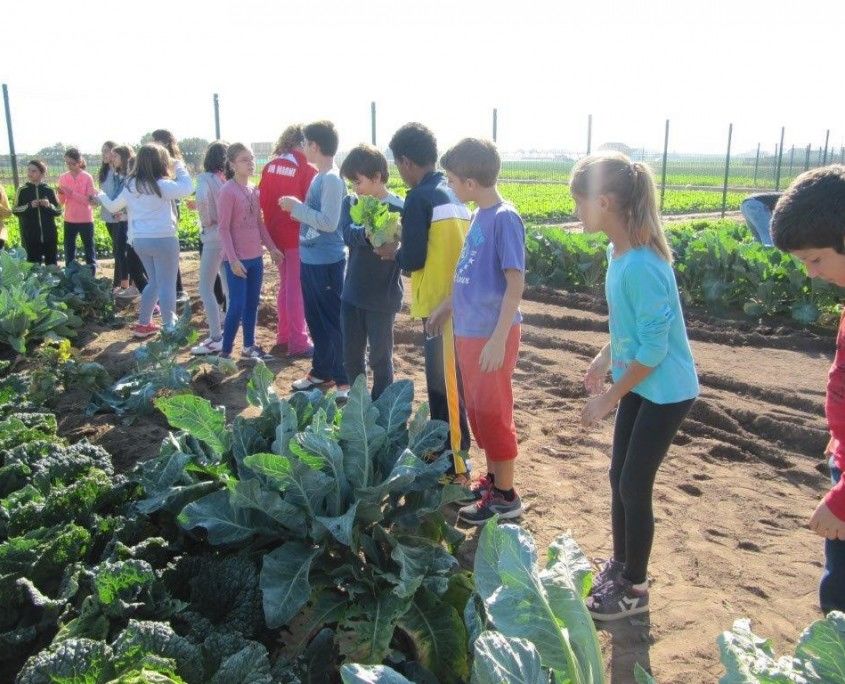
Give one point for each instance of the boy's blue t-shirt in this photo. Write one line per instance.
(495, 243)
(647, 325)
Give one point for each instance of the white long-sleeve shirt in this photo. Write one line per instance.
(151, 216)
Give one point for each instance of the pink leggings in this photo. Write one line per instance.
(291, 311)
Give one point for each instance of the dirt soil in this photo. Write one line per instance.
(731, 501)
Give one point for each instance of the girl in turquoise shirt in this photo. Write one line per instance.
(653, 373)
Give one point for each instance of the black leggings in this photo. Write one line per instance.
(641, 437)
(117, 232)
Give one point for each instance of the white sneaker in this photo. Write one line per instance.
(128, 293)
(182, 297)
(309, 382)
(208, 346)
(341, 392)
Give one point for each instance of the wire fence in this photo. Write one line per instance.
(744, 167)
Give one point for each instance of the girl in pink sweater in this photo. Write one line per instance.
(242, 233)
(76, 188)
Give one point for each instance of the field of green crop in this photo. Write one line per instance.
(540, 202)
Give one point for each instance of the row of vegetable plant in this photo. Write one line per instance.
(719, 268)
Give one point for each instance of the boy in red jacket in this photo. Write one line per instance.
(809, 222)
(288, 173)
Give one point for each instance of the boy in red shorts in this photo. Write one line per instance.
(489, 280)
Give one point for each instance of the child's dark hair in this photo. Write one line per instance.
(291, 138)
(74, 154)
(324, 134)
(38, 164)
(811, 213)
(474, 158)
(151, 164)
(168, 141)
(215, 157)
(103, 173)
(365, 160)
(416, 143)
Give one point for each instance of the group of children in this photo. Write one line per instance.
(338, 295)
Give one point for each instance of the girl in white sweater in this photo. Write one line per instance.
(148, 199)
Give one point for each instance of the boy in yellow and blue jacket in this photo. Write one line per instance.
(434, 226)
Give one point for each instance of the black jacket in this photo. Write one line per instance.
(36, 219)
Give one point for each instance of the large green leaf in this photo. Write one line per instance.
(223, 522)
(822, 645)
(277, 469)
(365, 632)
(504, 660)
(284, 582)
(246, 440)
(198, 417)
(516, 601)
(567, 580)
(319, 444)
(394, 410)
(371, 674)
(417, 563)
(259, 389)
(249, 494)
(340, 527)
(748, 659)
(361, 436)
(161, 473)
(286, 430)
(439, 636)
(425, 436)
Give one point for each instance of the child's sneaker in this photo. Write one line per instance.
(182, 297)
(140, 331)
(130, 292)
(255, 353)
(156, 311)
(492, 502)
(342, 392)
(309, 382)
(610, 571)
(617, 599)
(208, 346)
(307, 353)
(477, 488)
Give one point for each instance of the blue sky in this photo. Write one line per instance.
(118, 69)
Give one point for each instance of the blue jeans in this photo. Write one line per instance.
(832, 586)
(759, 219)
(242, 307)
(86, 232)
(160, 257)
(361, 326)
(321, 288)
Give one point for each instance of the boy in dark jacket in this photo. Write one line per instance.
(37, 207)
(372, 291)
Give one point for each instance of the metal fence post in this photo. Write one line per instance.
(842, 155)
(807, 158)
(589, 133)
(756, 165)
(216, 117)
(12, 156)
(727, 170)
(780, 158)
(791, 158)
(373, 122)
(495, 123)
(819, 163)
(826, 141)
(665, 158)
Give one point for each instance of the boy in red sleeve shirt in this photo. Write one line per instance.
(287, 174)
(809, 222)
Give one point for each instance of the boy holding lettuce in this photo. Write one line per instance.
(372, 290)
